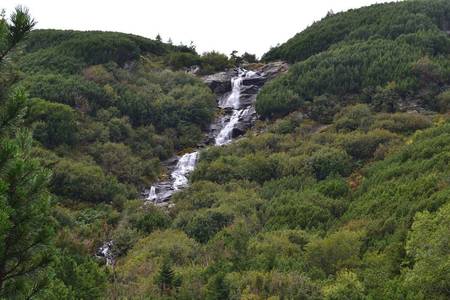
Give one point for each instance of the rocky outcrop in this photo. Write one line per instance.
(220, 83)
(273, 69)
(246, 121)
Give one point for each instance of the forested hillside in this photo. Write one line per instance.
(387, 21)
(388, 56)
(104, 110)
(108, 107)
(340, 191)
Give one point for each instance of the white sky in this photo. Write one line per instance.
(244, 25)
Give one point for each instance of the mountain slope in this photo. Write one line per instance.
(387, 21)
(388, 71)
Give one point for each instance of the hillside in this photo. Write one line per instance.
(339, 190)
(387, 21)
(108, 107)
(386, 70)
(105, 110)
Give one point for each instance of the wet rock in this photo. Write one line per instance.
(245, 122)
(220, 83)
(254, 81)
(249, 89)
(248, 99)
(237, 131)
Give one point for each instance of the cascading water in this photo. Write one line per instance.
(233, 100)
(152, 194)
(186, 164)
(239, 105)
(225, 136)
(105, 251)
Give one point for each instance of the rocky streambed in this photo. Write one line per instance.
(235, 91)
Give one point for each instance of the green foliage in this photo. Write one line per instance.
(81, 181)
(216, 288)
(91, 48)
(109, 99)
(204, 226)
(71, 90)
(54, 124)
(146, 259)
(277, 99)
(337, 251)
(354, 209)
(329, 161)
(353, 118)
(278, 250)
(429, 275)
(165, 278)
(76, 278)
(213, 61)
(305, 210)
(347, 286)
(150, 220)
(26, 228)
(272, 285)
(14, 30)
(391, 53)
(389, 20)
(179, 60)
(119, 161)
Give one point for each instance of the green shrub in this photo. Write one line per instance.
(84, 182)
(54, 124)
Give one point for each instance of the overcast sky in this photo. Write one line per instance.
(244, 25)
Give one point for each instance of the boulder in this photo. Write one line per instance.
(247, 99)
(220, 83)
(257, 81)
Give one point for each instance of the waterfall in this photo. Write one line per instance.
(226, 134)
(163, 190)
(185, 165)
(152, 194)
(105, 251)
(233, 100)
(238, 108)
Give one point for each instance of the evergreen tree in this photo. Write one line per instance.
(14, 30)
(217, 288)
(166, 277)
(26, 229)
(25, 226)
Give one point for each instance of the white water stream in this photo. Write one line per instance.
(162, 191)
(186, 163)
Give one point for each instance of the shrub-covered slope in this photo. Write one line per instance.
(107, 108)
(388, 65)
(387, 21)
(330, 212)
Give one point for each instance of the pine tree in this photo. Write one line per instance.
(25, 224)
(26, 228)
(166, 277)
(217, 288)
(12, 32)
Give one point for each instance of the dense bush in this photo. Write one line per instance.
(388, 20)
(391, 54)
(85, 182)
(54, 124)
